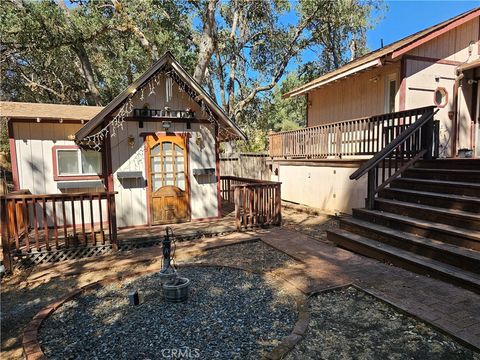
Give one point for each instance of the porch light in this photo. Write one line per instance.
(131, 141)
(166, 125)
(38, 119)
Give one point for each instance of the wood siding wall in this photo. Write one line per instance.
(424, 74)
(358, 96)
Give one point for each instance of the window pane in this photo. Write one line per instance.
(392, 91)
(181, 181)
(167, 149)
(155, 164)
(178, 150)
(167, 164)
(67, 162)
(155, 150)
(91, 162)
(179, 165)
(156, 182)
(169, 179)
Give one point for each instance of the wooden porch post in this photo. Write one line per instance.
(236, 197)
(7, 259)
(112, 215)
(278, 204)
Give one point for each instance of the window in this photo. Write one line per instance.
(440, 97)
(390, 92)
(73, 161)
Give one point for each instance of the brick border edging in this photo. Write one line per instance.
(33, 351)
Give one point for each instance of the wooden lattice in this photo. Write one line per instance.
(28, 259)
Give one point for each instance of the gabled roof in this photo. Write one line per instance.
(392, 52)
(24, 110)
(166, 59)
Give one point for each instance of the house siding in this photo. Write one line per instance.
(433, 65)
(357, 96)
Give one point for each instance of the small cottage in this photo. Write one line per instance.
(156, 144)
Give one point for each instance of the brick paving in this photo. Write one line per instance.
(450, 308)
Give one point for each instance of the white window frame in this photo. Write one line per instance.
(388, 79)
(79, 158)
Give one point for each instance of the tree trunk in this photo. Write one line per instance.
(206, 46)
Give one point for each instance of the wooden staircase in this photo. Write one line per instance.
(427, 221)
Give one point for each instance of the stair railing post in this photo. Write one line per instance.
(436, 140)
(371, 181)
(427, 138)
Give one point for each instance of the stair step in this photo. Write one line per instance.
(473, 164)
(439, 186)
(454, 255)
(449, 201)
(434, 230)
(443, 174)
(459, 218)
(405, 259)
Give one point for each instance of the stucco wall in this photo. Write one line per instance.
(324, 187)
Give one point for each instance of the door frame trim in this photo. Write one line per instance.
(182, 134)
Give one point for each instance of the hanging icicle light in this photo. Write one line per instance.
(95, 141)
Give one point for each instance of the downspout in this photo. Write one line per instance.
(456, 86)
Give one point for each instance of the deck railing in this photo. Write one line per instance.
(56, 221)
(257, 202)
(358, 137)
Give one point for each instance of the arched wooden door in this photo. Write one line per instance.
(167, 179)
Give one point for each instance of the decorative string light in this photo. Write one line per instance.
(95, 141)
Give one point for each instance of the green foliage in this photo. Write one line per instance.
(4, 144)
(272, 113)
(88, 52)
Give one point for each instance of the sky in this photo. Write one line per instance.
(404, 18)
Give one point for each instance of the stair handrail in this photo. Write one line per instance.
(401, 138)
(426, 122)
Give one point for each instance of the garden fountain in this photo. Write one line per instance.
(175, 288)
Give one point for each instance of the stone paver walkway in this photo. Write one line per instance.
(450, 308)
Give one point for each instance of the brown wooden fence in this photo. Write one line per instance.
(365, 136)
(44, 222)
(257, 202)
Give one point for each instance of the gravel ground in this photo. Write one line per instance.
(350, 324)
(256, 256)
(20, 300)
(230, 314)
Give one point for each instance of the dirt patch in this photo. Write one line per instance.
(314, 224)
(351, 324)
